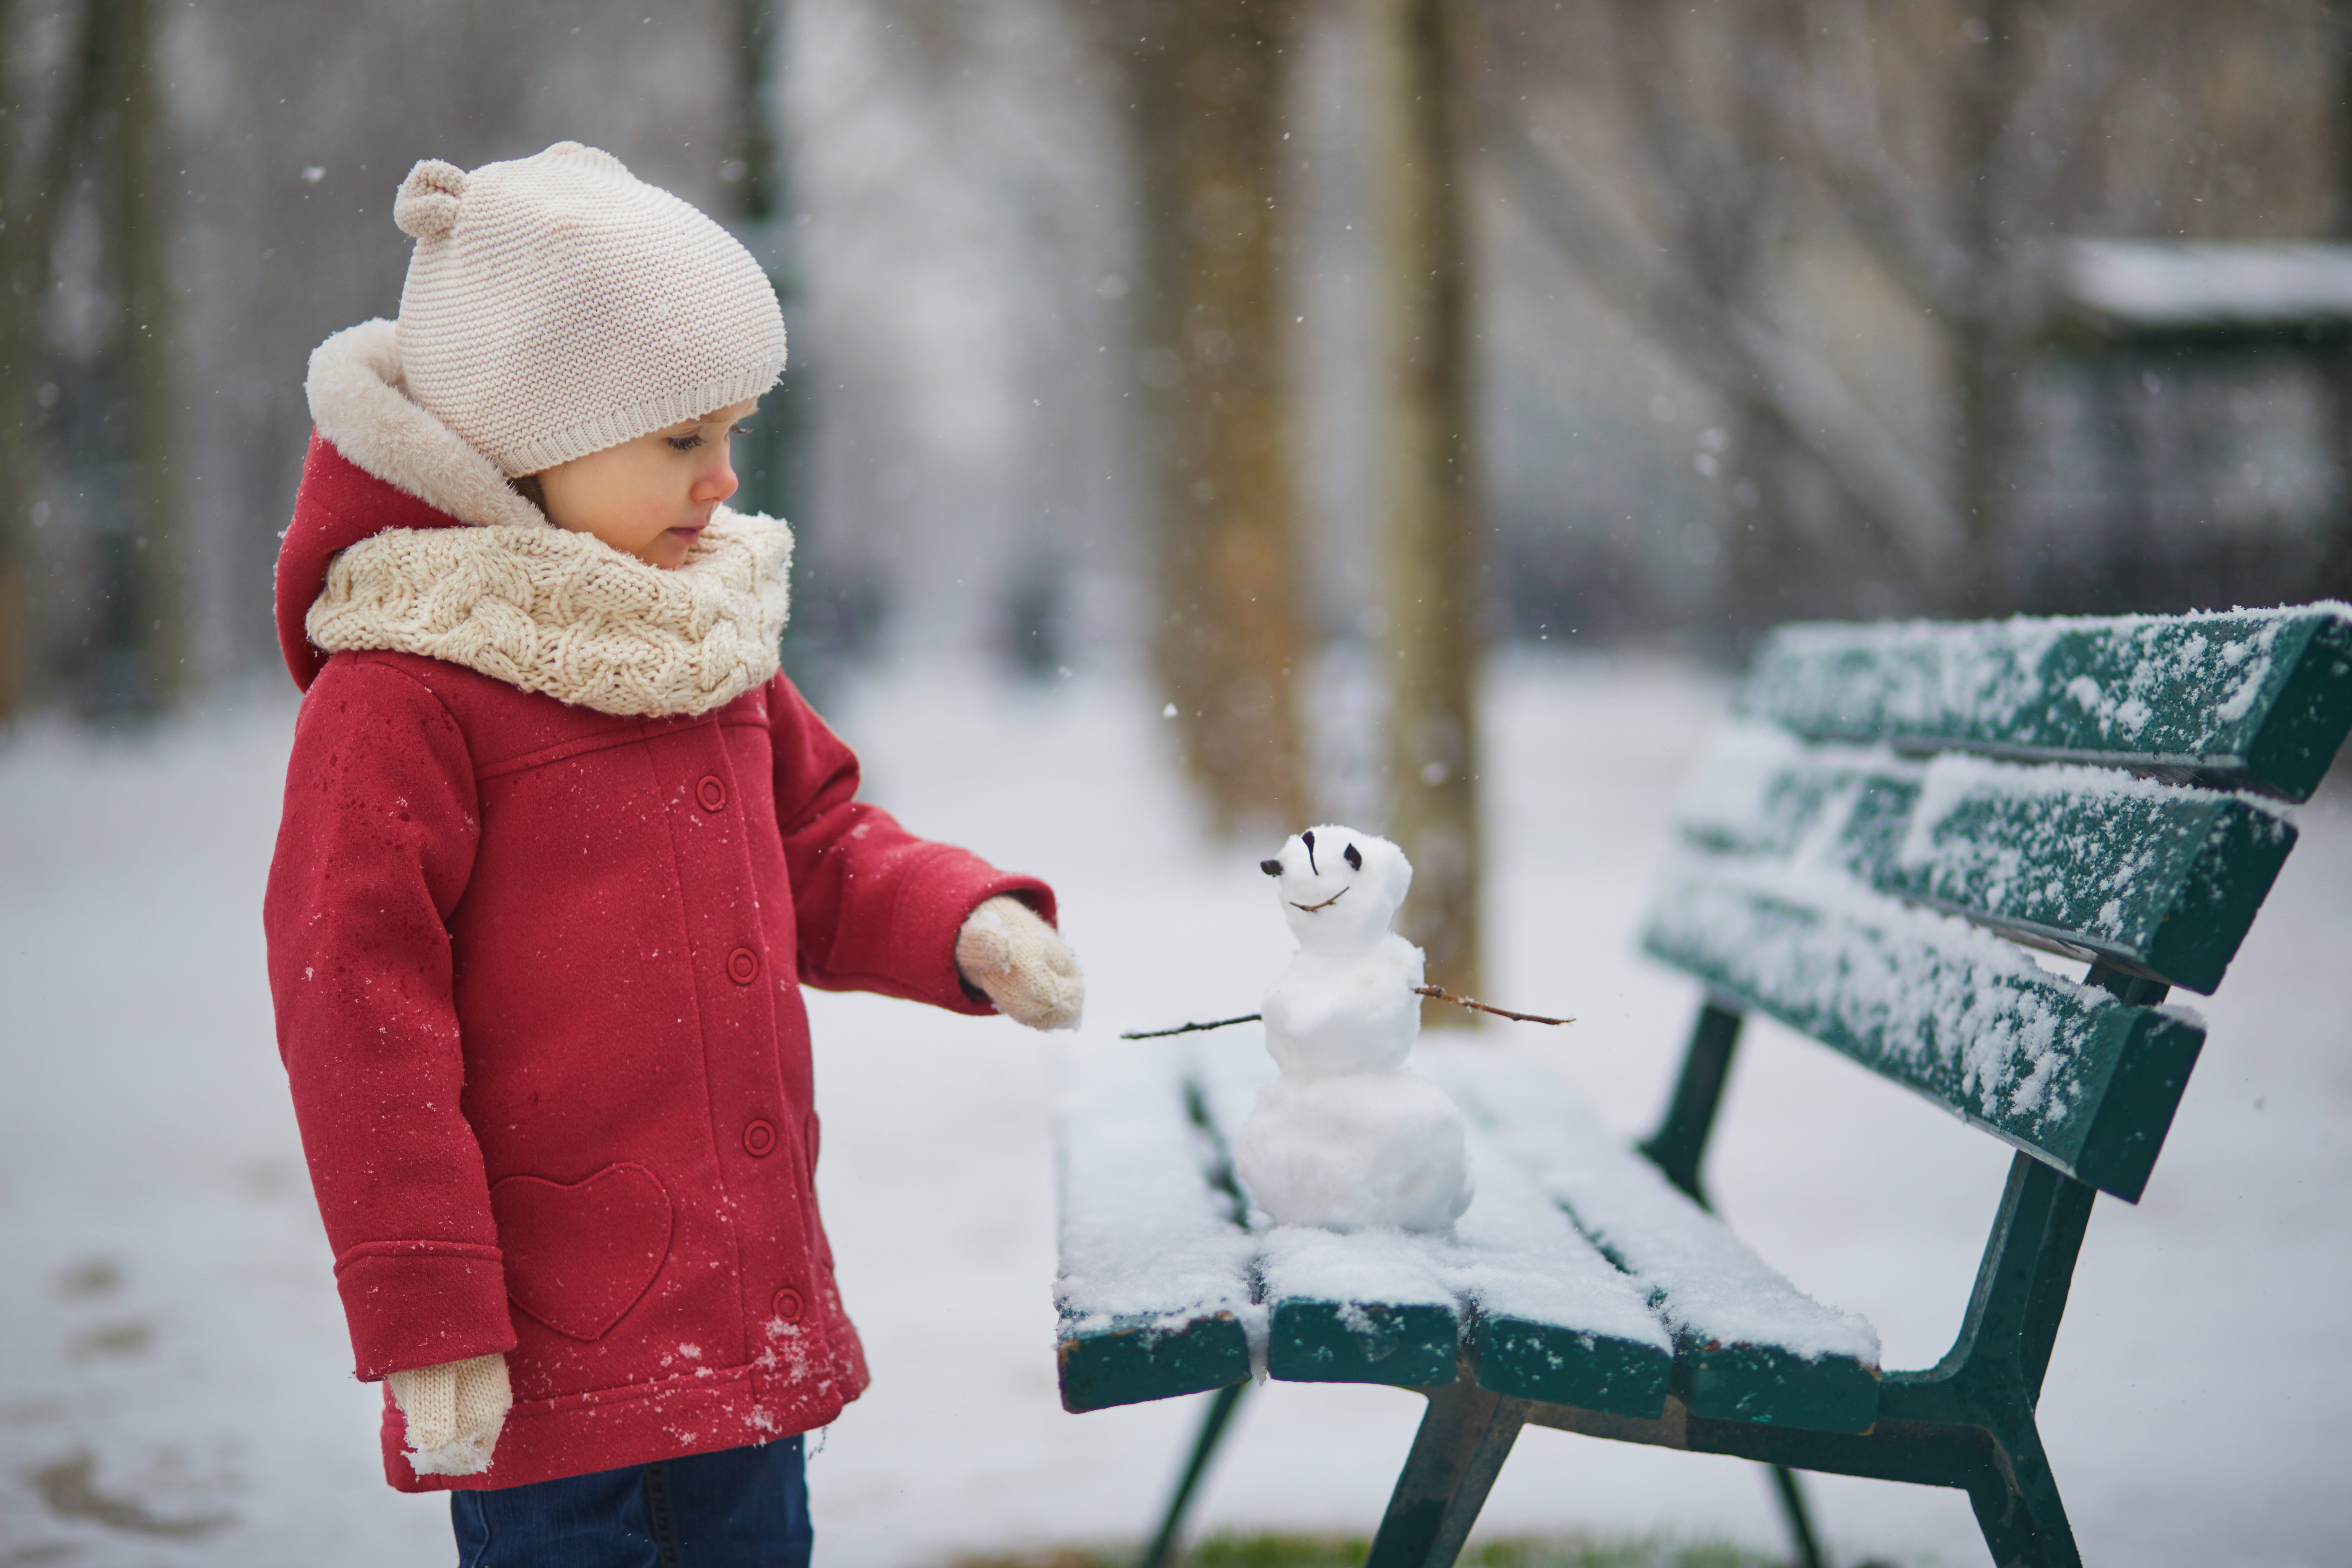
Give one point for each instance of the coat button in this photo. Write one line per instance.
(759, 1140)
(742, 966)
(788, 1305)
(712, 793)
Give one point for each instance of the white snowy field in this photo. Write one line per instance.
(173, 1378)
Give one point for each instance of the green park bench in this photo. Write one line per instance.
(1884, 806)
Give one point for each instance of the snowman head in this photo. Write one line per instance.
(1339, 888)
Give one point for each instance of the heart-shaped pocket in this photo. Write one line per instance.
(579, 1256)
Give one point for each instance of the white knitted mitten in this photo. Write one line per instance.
(454, 1412)
(1023, 966)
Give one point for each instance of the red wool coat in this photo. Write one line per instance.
(537, 973)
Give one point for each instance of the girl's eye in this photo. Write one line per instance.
(741, 429)
(685, 443)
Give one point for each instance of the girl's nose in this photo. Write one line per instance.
(717, 482)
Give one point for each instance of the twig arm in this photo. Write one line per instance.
(1189, 1028)
(1438, 992)
(1443, 995)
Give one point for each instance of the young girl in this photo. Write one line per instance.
(559, 847)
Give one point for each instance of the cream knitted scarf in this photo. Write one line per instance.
(516, 598)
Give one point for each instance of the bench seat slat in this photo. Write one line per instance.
(1154, 1289)
(2064, 1071)
(2249, 699)
(1553, 1318)
(1749, 1344)
(1342, 1309)
(1356, 1308)
(2155, 879)
(1541, 1313)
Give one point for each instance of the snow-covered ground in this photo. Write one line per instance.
(174, 1382)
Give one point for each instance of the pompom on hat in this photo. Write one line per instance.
(556, 305)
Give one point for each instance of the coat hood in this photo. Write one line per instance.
(376, 462)
(406, 539)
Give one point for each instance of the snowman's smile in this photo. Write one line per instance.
(1326, 904)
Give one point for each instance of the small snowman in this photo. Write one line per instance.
(1348, 1138)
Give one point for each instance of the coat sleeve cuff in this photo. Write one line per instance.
(418, 1303)
(933, 910)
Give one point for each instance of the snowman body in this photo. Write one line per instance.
(1348, 1138)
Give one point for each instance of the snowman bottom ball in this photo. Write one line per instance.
(1355, 1150)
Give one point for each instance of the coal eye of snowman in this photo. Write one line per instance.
(1271, 868)
(1354, 858)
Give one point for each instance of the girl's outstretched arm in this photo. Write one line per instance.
(878, 908)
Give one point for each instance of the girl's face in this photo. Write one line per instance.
(650, 497)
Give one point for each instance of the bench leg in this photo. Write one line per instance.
(1678, 1148)
(1464, 1436)
(1679, 1145)
(1204, 1447)
(1801, 1520)
(2017, 1506)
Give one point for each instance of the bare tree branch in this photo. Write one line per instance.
(1873, 191)
(2047, 141)
(1741, 356)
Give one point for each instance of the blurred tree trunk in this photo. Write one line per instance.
(1735, 239)
(1725, 205)
(107, 414)
(772, 457)
(1989, 345)
(25, 212)
(1435, 599)
(150, 615)
(2027, 82)
(757, 170)
(1207, 81)
(101, 135)
(2333, 578)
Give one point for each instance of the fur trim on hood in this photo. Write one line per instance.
(359, 402)
(406, 539)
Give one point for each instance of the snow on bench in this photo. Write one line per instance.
(2098, 863)
(1578, 1276)
(2161, 880)
(1782, 898)
(1537, 1308)
(2251, 697)
(1362, 1307)
(2063, 1070)
(1155, 1281)
(1750, 1345)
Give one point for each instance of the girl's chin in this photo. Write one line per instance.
(670, 548)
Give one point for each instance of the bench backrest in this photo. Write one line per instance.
(1886, 798)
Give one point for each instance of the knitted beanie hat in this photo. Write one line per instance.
(556, 305)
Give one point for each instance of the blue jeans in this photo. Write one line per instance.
(739, 1508)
